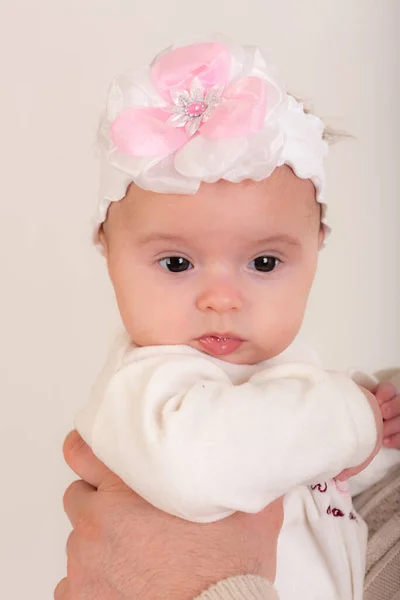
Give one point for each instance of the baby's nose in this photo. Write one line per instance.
(220, 297)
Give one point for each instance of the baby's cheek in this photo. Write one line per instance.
(154, 320)
(285, 337)
(282, 326)
(294, 319)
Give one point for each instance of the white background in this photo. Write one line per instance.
(57, 310)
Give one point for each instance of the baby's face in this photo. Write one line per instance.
(227, 271)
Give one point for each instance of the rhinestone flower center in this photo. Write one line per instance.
(195, 109)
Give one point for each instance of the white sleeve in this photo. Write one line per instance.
(179, 433)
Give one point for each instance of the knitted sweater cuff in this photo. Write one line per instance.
(244, 587)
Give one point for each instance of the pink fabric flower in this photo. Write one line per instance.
(194, 81)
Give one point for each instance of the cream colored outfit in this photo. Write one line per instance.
(201, 438)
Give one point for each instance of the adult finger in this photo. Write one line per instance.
(391, 427)
(62, 590)
(393, 441)
(391, 408)
(385, 392)
(82, 461)
(76, 500)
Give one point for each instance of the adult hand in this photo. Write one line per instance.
(122, 548)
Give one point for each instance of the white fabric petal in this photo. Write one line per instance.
(256, 64)
(162, 175)
(263, 151)
(130, 165)
(207, 160)
(134, 88)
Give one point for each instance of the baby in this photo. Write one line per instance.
(212, 214)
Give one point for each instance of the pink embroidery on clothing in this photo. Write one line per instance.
(335, 512)
(343, 489)
(321, 487)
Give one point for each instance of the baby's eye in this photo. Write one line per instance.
(176, 264)
(265, 264)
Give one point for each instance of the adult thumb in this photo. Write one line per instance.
(80, 458)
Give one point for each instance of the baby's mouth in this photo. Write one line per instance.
(220, 344)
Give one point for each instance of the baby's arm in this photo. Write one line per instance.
(176, 430)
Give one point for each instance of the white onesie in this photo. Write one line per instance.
(201, 438)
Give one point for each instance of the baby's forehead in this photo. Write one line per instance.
(280, 204)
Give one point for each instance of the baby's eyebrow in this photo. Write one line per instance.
(160, 237)
(282, 239)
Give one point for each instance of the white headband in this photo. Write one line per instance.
(200, 113)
